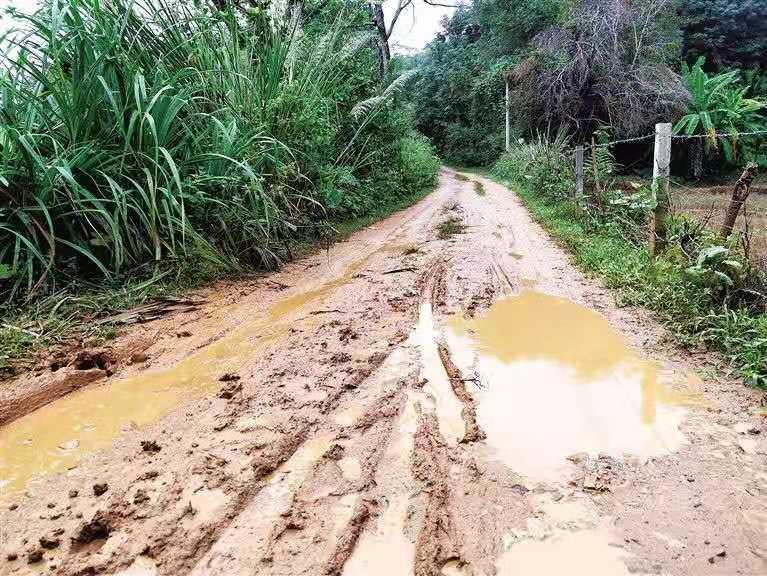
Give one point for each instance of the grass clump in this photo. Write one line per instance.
(698, 288)
(479, 188)
(449, 228)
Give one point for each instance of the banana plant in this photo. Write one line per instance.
(719, 104)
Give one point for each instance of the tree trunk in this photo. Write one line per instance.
(739, 195)
(384, 52)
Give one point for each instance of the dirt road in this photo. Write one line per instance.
(412, 402)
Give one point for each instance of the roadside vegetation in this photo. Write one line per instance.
(149, 145)
(593, 72)
(705, 291)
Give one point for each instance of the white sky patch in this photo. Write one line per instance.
(417, 25)
(27, 6)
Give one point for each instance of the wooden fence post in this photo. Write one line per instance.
(660, 187)
(579, 171)
(739, 195)
(508, 118)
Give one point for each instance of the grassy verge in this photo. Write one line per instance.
(661, 285)
(68, 316)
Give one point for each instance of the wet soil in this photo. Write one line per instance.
(406, 403)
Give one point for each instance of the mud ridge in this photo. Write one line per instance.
(435, 544)
(348, 540)
(473, 432)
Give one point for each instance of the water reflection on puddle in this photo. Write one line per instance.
(557, 381)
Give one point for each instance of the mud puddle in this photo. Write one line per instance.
(55, 437)
(556, 380)
(584, 552)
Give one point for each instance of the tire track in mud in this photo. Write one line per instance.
(473, 431)
(339, 457)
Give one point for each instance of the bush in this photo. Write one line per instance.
(543, 165)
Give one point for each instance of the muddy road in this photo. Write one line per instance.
(414, 401)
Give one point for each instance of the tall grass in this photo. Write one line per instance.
(140, 133)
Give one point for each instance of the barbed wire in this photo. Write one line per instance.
(718, 135)
(614, 142)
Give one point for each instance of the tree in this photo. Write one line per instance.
(607, 62)
(729, 33)
(384, 31)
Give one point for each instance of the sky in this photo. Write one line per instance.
(416, 27)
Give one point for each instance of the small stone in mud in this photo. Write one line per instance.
(521, 490)
(721, 554)
(139, 357)
(336, 452)
(230, 391)
(183, 334)
(73, 493)
(99, 489)
(49, 543)
(96, 529)
(34, 556)
(229, 377)
(51, 504)
(150, 446)
(13, 507)
(12, 556)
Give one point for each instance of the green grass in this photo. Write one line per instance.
(450, 228)
(688, 310)
(479, 188)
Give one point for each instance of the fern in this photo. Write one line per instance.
(365, 108)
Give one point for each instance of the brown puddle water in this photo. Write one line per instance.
(55, 437)
(585, 552)
(557, 381)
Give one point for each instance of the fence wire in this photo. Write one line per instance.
(718, 136)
